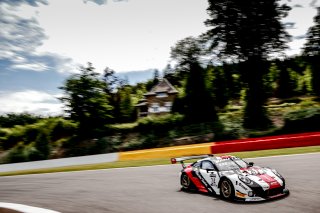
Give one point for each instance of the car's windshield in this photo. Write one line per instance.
(226, 164)
(241, 163)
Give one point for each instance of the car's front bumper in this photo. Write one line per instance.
(284, 193)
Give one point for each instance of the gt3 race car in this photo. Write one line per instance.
(231, 177)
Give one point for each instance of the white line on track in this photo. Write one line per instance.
(138, 167)
(24, 208)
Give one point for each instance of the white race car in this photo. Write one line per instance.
(231, 177)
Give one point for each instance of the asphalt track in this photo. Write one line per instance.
(156, 189)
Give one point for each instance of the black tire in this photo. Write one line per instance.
(226, 189)
(186, 183)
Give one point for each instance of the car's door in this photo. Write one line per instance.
(210, 175)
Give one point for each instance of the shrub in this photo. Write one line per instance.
(30, 133)
(12, 137)
(159, 123)
(42, 144)
(12, 119)
(133, 144)
(61, 128)
(17, 154)
(302, 120)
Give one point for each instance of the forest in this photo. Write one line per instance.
(234, 81)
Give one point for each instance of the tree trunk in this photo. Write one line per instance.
(315, 66)
(255, 115)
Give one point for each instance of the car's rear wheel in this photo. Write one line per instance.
(226, 189)
(186, 183)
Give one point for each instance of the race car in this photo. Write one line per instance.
(231, 177)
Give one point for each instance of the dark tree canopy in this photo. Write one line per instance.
(246, 28)
(198, 105)
(187, 51)
(312, 50)
(248, 31)
(86, 100)
(312, 46)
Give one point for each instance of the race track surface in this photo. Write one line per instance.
(156, 189)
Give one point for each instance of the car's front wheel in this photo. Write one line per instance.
(186, 183)
(226, 189)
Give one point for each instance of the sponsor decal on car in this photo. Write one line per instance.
(242, 186)
(254, 199)
(241, 195)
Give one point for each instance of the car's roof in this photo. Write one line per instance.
(218, 158)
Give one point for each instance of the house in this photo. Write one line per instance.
(158, 100)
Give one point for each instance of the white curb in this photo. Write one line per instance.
(24, 208)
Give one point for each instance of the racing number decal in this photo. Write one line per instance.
(208, 179)
(213, 177)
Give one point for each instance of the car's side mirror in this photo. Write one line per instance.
(250, 164)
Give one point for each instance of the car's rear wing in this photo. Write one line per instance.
(182, 159)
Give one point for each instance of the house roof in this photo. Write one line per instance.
(141, 104)
(163, 86)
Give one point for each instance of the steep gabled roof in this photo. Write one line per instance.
(163, 86)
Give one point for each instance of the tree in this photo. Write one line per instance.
(219, 86)
(42, 147)
(86, 100)
(156, 76)
(110, 81)
(126, 108)
(284, 85)
(172, 76)
(12, 119)
(248, 32)
(152, 82)
(312, 50)
(198, 103)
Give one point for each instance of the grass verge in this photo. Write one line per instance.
(137, 163)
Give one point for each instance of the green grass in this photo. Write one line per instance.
(137, 163)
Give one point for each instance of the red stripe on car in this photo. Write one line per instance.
(273, 183)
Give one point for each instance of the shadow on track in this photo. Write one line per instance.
(237, 202)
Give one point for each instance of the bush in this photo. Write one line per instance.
(61, 128)
(17, 154)
(159, 123)
(30, 133)
(133, 144)
(302, 120)
(12, 137)
(12, 119)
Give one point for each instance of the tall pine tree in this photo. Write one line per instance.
(248, 32)
(198, 103)
(312, 50)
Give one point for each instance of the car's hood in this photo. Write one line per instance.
(257, 174)
(256, 170)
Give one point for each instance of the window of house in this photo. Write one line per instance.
(162, 95)
(168, 106)
(154, 108)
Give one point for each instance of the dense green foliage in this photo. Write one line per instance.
(86, 100)
(302, 120)
(312, 49)
(248, 32)
(35, 141)
(12, 119)
(197, 104)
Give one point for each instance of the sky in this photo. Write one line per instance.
(43, 41)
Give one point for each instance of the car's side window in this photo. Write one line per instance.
(196, 165)
(206, 165)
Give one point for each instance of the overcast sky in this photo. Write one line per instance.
(41, 41)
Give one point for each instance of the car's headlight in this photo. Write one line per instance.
(244, 179)
(276, 173)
